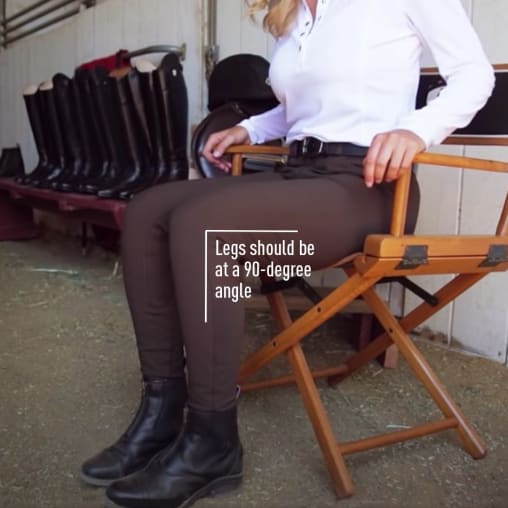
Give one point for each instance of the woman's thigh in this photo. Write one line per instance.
(332, 213)
(154, 206)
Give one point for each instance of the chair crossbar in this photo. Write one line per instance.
(350, 447)
(288, 380)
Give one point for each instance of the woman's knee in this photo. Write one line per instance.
(137, 206)
(146, 209)
(141, 219)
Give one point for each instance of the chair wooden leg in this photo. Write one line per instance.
(391, 357)
(334, 460)
(368, 328)
(471, 440)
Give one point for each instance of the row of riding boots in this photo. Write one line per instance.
(111, 135)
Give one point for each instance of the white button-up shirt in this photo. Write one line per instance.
(352, 72)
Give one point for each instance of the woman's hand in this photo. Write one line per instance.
(218, 142)
(389, 154)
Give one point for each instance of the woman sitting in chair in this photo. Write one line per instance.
(346, 74)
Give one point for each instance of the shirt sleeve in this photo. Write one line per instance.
(266, 126)
(445, 28)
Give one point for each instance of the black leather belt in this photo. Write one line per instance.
(313, 147)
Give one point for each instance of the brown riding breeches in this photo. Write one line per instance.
(324, 199)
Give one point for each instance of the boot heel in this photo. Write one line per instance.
(226, 485)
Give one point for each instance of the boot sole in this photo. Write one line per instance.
(217, 488)
(97, 482)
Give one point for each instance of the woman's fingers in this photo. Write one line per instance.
(371, 160)
(389, 154)
(395, 162)
(218, 142)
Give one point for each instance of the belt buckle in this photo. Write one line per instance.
(304, 143)
(312, 146)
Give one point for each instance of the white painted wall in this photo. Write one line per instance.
(238, 33)
(97, 32)
(453, 200)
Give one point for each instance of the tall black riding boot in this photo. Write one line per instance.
(90, 164)
(111, 129)
(205, 460)
(148, 90)
(35, 111)
(175, 112)
(96, 151)
(138, 172)
(64, 95)
(56, 145)
(147, 146)
(156, 425)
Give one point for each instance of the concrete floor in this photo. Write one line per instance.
(69, 378)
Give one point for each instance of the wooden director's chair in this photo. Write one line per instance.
(469, 257)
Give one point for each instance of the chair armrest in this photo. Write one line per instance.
(258, 149)
(238, 152)
(402, 186)
(437, 159)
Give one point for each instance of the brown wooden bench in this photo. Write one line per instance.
(18, 202)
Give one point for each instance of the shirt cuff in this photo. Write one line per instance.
(429, 134)
(247, 125)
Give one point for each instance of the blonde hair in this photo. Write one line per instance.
(280, 15)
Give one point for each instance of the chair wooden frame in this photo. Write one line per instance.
(470, 258)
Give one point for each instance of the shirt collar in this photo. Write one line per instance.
(304, 22)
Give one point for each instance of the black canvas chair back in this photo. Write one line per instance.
(491, 120)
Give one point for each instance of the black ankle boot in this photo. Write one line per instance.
(155, 426)
(206, 460)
